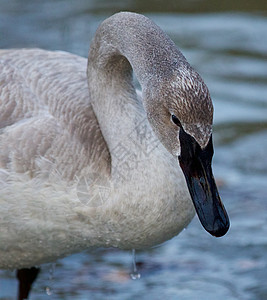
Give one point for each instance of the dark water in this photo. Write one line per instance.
(226, 41)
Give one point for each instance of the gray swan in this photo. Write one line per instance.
(86, 160)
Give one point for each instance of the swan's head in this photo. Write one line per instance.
(180, 112)
(181, 103)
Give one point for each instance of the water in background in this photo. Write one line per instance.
(226, 42)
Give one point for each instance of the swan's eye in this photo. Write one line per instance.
(176, 121)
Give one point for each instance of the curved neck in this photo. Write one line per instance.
(150, 52)
(126, 42)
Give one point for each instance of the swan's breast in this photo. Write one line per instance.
(147, 203)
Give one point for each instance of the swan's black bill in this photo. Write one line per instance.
(196, 166)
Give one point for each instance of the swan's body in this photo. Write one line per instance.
(57, 135)
(42, 216)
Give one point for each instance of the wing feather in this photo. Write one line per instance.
(46, 114)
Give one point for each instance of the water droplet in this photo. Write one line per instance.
(48, 289)
(134, 274)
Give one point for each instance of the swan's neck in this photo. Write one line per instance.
(121, 44)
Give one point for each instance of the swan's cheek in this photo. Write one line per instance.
(171, 142)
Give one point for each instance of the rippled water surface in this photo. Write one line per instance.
(227, 43)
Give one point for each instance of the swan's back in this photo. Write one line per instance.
(46, 121)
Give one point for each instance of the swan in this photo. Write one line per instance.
(87, 161)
